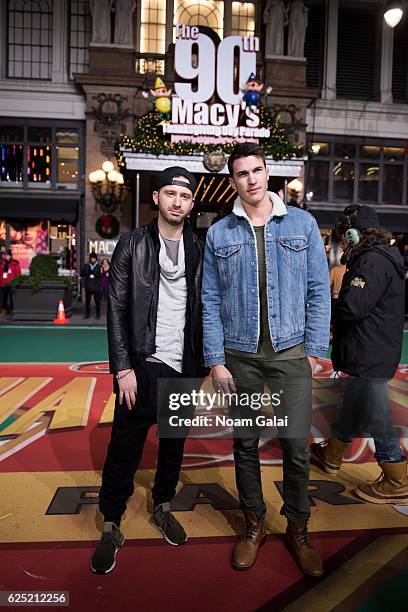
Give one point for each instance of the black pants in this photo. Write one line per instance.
(97, 298)
(292, 380)
(6, 298)
(129, 431)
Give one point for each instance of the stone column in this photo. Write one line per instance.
(227, 17)
(330, 64)
(386, 64)
(60, 42)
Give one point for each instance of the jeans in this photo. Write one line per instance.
(365, 411)
(293, 377)
(129, 432)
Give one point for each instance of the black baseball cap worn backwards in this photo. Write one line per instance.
(167, 177)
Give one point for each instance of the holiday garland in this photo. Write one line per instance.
(149, 138)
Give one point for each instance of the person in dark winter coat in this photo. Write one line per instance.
(91, 273)
(367, 342)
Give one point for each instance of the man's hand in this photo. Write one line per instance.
(222, 379)
(313, 363)
(127, 384)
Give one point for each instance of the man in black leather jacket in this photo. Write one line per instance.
(367, 341)
(154, 333)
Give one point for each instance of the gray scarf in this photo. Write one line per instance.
(167, 268)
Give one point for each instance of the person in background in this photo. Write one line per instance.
(9, 269)
(105, 267)
(91, 273)
(367, 341)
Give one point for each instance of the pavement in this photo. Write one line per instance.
(77, 319)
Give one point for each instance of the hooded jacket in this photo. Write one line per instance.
(369, 314)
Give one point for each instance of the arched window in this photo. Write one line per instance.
(210, 14)
(29, 39)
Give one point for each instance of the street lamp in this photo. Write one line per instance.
(107, 186)
(393, 12)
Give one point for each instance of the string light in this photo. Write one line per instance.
(149, 138)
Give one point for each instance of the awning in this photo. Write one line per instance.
(26, 207)
(156, 163)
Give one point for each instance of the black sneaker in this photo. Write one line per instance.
(104, 557)
(168, 525)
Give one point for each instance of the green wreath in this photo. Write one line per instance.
(107, 226)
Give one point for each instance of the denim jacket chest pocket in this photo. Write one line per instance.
(294, 251)
(227, 260)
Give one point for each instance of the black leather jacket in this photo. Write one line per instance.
(134, 294)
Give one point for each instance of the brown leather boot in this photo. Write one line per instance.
(245, 550)
(307, 557)
(328, 456)
(390, 488)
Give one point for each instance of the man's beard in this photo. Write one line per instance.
(173, 220)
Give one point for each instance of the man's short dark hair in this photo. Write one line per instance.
(245, 149)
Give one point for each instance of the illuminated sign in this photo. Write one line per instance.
(102, 247)
(205, 72)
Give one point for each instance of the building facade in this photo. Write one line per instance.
(74, 75)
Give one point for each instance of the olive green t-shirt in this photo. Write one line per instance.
(265, 348)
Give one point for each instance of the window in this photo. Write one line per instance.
(39, 157)
(153, 26)
(318, 181)
(358, 50)
(392, 185)
(11, 156)
(67, 150)
(314, 44)
(242, 18)
(209, 14)
(357, 170)
(400, 62)
(368, 182)
(343, 178)
(80, 36)
(29, 39)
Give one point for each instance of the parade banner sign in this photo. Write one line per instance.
(217, 95)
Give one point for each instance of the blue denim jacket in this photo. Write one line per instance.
(297, 284)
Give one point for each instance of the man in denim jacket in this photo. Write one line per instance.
(266, 316)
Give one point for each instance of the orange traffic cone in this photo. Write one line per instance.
(61, 320)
